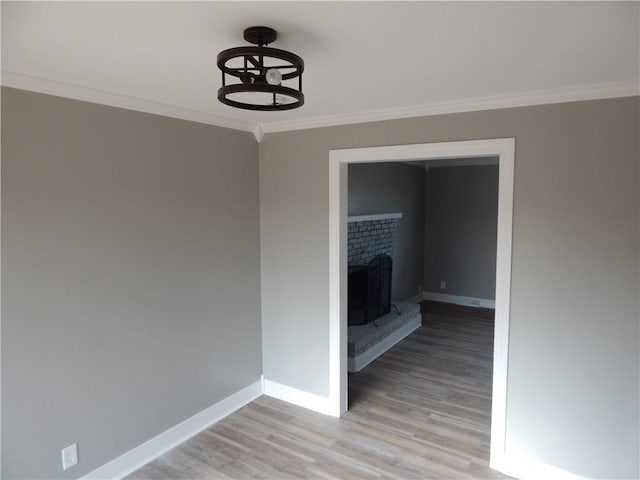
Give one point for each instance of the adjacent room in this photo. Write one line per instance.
(430, 359)
(184, 188)
(433, 223)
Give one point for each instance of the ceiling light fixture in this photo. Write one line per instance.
(262, 72)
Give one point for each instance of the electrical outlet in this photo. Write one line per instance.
(443, 285)
(69, 456)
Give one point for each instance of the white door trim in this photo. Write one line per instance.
(504, 148)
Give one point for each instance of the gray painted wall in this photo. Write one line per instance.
(130, 273)
(130, 277)
(460, 230)
(390, 188)
(573, 361)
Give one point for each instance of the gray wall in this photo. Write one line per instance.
(130, 277)
(130, 274)
(572, 396)
(460, 230)
(391, 188)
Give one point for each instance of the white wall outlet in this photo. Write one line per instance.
(69, 456)
(443, 285)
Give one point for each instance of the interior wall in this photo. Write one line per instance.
(461, 221)
(130, 277)
(392, 188)
(574, 293)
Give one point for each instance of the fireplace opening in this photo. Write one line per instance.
(369, 290)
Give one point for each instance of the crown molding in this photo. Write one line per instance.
(539, 97)
(76, 92)
(258, 132)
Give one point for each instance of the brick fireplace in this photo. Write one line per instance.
(370, 260)
(369, 236)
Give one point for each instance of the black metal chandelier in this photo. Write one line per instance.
(262, 72)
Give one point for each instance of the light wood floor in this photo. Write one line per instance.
(422, 410)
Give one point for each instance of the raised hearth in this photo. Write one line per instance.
(368, 342)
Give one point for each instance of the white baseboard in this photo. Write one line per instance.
(132, 460)
(526, 468)
(459, 300)
(301, 398)
(511, 463)
(357, 363)
(415, 299)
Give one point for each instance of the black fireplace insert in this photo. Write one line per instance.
(369, 290)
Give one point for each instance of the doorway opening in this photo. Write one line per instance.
(504, 150)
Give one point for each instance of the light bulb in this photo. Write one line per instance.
(273, 76)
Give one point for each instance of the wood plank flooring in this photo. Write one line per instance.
(421, 410)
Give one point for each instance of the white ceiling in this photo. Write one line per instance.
(363, 60)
